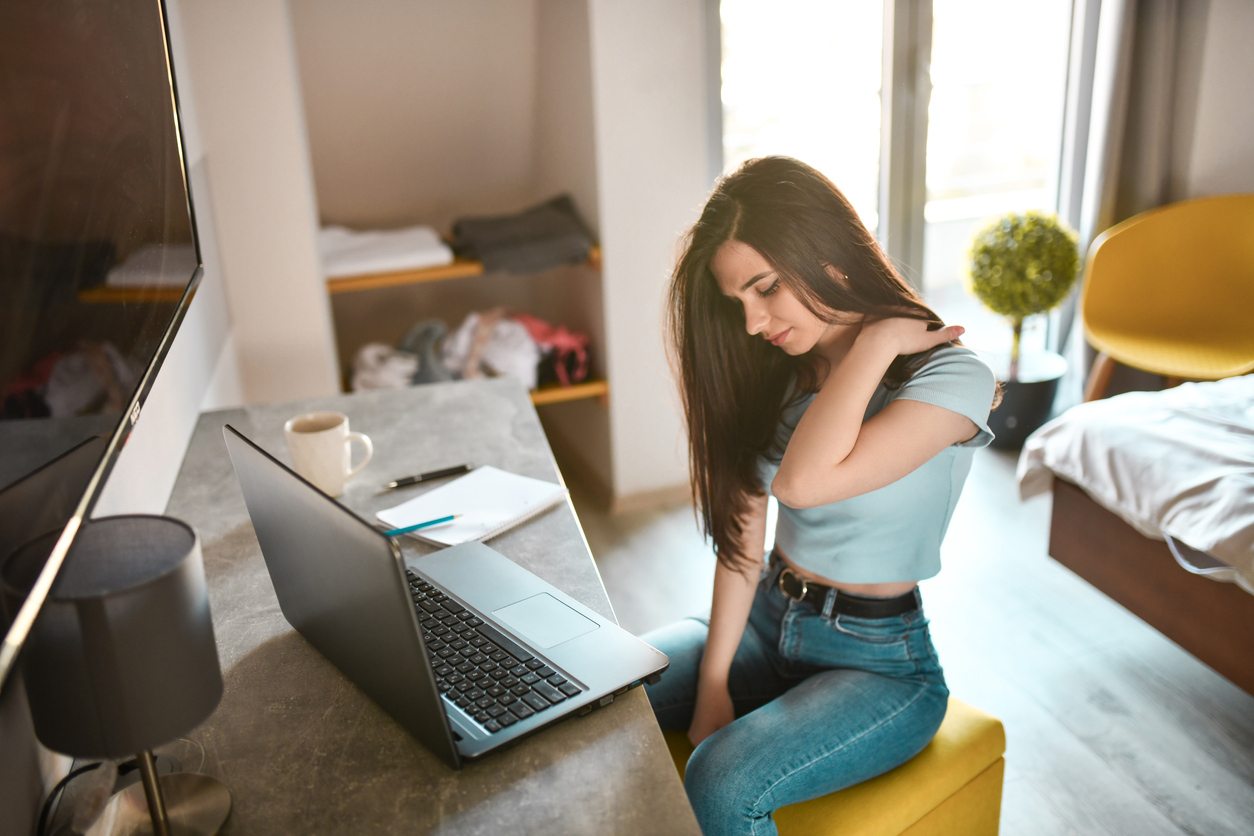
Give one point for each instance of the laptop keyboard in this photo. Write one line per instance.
(484, 673)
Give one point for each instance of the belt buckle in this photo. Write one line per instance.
(805, 588)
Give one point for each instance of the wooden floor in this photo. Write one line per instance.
(1111, 728)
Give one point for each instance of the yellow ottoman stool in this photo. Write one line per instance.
(952, 787)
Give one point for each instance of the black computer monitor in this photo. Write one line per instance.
(98, 251)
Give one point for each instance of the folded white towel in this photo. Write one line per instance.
(346, 252)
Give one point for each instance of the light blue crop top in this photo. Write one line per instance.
(893, 533)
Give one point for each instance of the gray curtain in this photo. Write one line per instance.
(1131, 89)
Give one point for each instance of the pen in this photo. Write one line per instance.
(424, 477)
(417, 526)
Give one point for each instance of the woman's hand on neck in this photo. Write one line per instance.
(816, 467)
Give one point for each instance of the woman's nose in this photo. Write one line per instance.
(755, 320)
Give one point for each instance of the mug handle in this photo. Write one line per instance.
(365, 440)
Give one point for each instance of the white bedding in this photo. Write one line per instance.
(1178, 462)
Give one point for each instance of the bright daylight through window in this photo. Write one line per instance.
(802, 78)
(994, 131)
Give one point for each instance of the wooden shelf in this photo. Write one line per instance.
(559, 394)
(104, 294)
(460, 268)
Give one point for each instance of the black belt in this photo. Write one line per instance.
(855, 606)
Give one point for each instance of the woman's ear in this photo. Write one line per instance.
(836, 276)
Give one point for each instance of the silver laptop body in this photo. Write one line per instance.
(344, 586)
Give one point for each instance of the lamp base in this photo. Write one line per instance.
(196, 805)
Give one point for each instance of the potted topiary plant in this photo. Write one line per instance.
(1024, 264)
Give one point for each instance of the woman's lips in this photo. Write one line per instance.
(779, 338)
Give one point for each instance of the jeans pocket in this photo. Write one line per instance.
(872, 630)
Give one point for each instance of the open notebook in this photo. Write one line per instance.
(490, 502)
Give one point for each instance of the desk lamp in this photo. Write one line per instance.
(122, 659)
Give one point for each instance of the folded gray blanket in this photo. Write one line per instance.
(538, 238)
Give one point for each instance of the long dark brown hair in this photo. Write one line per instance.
(733, 385)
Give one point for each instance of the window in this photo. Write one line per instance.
(994, 122)
(802, 78)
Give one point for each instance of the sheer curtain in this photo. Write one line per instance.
(1128, 118)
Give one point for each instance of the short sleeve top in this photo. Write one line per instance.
(893, 533)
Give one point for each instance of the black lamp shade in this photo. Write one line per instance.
(122, 657)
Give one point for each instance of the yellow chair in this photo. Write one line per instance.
(951, 788)
(1171, 292)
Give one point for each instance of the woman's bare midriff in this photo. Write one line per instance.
(878, 590)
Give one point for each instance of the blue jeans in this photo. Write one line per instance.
(821, 703)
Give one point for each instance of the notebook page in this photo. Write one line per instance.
(491, 501)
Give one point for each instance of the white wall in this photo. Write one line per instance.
(649, 94)
(1222, 149)
(242, 65)
(418, 111)
(565, 138)
(566, 161)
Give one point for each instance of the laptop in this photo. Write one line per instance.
(467, 650)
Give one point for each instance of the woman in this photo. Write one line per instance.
(809, 368)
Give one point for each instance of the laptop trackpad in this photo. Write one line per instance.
(544, 621)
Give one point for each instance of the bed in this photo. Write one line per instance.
(1154, 506)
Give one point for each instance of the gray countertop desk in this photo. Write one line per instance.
(302, 750)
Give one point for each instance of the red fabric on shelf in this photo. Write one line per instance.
(560, 339)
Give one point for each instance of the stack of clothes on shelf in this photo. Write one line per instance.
(347, 252)
(544, 236)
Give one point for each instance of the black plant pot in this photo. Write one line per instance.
(1027, 400)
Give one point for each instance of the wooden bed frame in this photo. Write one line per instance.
(1214, 621)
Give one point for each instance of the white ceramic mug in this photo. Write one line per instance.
(320, 444)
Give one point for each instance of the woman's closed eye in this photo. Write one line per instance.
(769, 290)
